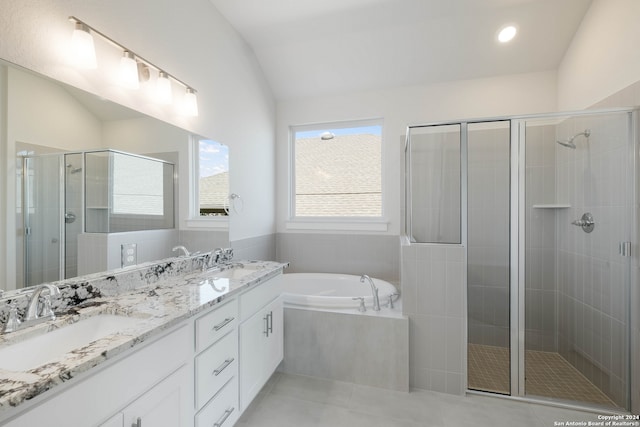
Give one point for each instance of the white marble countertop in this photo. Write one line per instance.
(158, 307)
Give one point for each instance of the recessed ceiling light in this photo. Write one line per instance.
(507, 34)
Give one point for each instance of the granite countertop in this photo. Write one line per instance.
(157, 307)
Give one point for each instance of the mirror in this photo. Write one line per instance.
(54, 125)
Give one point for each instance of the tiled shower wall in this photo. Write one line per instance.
(591, 274)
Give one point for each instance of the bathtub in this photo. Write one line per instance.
(333, 291)
(326, 336)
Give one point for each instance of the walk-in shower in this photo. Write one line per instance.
(545, 230)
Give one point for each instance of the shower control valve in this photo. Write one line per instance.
(586, 223)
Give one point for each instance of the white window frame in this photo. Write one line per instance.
(341, 223)
(195, 220)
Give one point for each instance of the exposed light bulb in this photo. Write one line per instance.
(190, 103)
(129, 71)
(163, 88)
(507, 34)
(82, 47)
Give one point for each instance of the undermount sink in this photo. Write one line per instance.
(238, 271)
(40, 349)
(235, 273)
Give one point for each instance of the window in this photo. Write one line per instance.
(213, 178)
(337, 170)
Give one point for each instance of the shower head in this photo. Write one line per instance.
(569, 143)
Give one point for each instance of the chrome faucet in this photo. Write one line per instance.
(184, 250)
(374, 291)
(211, 259)
(34, 312)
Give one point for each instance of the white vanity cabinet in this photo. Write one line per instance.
(216, 367)
(165, 405)
(149, 384)
(260, 337)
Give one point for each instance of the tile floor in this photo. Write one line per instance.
(298, 401)
(547, 374)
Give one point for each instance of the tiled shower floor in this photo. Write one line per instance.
(547, 374)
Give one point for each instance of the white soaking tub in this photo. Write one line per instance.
(333, 291)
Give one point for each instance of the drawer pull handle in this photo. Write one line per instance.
(224, 417)
(224, 323)
(223, 366)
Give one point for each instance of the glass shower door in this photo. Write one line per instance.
(578, 216)
(73, 211)
(42, 219)
(488, 262)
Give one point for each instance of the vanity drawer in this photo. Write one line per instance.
(216, 324)
(222, 411)
(253, 300)
(215, 367)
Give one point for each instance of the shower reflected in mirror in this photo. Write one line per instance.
(569, 142)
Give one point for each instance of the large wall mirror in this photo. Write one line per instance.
(99, 176)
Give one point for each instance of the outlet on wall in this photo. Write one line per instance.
(129, 253)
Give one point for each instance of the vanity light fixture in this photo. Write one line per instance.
(163, 88)
(133, 68)
(83, 49)
(190, 103)
(129, 71)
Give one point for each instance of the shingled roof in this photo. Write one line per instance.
(339, 177)
(214, 191)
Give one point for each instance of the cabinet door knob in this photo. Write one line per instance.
(138, 423)
(270, 322)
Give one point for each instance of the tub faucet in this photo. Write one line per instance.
(184, 250)
(374, 291)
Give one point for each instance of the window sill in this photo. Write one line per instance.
(208, 223)
(342, 224)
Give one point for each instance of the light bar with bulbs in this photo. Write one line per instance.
(133, 67)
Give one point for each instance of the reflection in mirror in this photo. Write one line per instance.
(49, 127)
(213, 178)
(126, 192)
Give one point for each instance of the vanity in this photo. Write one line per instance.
(190, 348)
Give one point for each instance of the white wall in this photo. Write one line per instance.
(602, 58)
(191, 40)
(506, 95)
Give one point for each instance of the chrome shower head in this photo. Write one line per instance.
(569, 143)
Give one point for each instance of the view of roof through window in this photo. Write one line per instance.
(213, 189)
(338, 172)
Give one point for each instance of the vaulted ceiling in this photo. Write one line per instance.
(320, 47)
